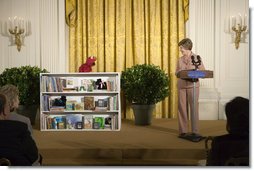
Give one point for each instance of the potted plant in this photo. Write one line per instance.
(144, 86)
(27, 80)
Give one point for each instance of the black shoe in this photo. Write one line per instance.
(182, 135)
(197, 137)
(191, 137)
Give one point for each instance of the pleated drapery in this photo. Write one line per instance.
(122, 33)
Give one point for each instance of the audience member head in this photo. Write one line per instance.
(237, 112)
(4, 107)
(12, 93)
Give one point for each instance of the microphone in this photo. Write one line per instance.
(196, 61)
(198, 57)
(192, 58)
(195, 58)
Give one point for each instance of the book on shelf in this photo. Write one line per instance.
(111, 84)
(113, 103)
(70, 83)
(52, 84)
(57, 108)
(61, 122)
(79, 125)
(78, 106)
(108, 122)
(73, 121)
(87, 84)
(56, 122)
(69, 89)
(101, 105)
(88, 102)
(98, 122)
(51, 124)
(70, 105)
(63, 82)
(61, 125)
(46, 105)
(88, 122)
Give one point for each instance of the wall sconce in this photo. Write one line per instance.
(237, 26)
(16, 29)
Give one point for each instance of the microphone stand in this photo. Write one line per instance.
(196, 64)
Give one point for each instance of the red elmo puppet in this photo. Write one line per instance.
(87, 67)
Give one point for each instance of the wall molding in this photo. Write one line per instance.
(230, 66)
(45, 47)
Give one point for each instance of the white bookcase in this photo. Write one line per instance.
(80, 101)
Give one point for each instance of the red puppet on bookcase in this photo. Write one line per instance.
(87, 67)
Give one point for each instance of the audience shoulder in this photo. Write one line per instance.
(18, 117)
(14, 124)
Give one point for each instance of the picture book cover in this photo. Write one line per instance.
(57, 122)
(108, 122)
(78, 106)
(60, 122)
(100, 121)
(101, 105)
(51, 123)
(70, 105)
(88, 103)
(72, 120)
(88, 121)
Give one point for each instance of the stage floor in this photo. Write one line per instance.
(156, 144)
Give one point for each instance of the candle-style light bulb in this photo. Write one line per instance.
(239, 19)
(226, 24)
(15, 21)
(245, 21)
(233, 21)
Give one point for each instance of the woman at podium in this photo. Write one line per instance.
(188, 61)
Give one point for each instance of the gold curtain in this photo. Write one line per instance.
(122, 33)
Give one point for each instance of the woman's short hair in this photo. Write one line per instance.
(12, 92)
(3, 101)
(186, 43)
(237, 112)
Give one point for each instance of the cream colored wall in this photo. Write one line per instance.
(45, 47)
(230, 65)
(48, 45)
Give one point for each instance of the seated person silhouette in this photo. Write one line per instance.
(16, 144)
(235, 144)
(12, 93)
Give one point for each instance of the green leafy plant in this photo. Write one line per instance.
(145, 84)
(27, 79)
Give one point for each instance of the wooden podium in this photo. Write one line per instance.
(193, 76)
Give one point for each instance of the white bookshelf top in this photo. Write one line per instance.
(94, 93)
(82, 74)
